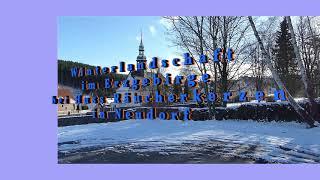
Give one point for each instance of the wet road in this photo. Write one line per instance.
(157, 152)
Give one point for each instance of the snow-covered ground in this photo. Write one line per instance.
(255, 102)
(273, 141)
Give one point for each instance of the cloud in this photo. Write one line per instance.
(138, 38)
(152, 29)
(166, 23)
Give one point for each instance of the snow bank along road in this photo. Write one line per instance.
(159, 141)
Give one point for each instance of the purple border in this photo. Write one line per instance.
(28, 57)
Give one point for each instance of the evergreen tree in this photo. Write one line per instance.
(284, 59)
(64, 78)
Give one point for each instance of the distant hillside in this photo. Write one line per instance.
(64, 77)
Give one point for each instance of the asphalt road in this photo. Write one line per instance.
(209, 152)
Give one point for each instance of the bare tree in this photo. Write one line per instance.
(301, 111)
(306, 81)
(202, 35)
(258, 68)
(189, 32)
(308, 40)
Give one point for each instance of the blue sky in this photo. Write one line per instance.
(107, 40)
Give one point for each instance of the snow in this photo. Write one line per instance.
(110, 100)
(286, 142)
(256, 103)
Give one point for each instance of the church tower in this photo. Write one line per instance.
(141, 58)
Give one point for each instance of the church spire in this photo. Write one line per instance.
(141, 58)
(141, 47)
(141, 37)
